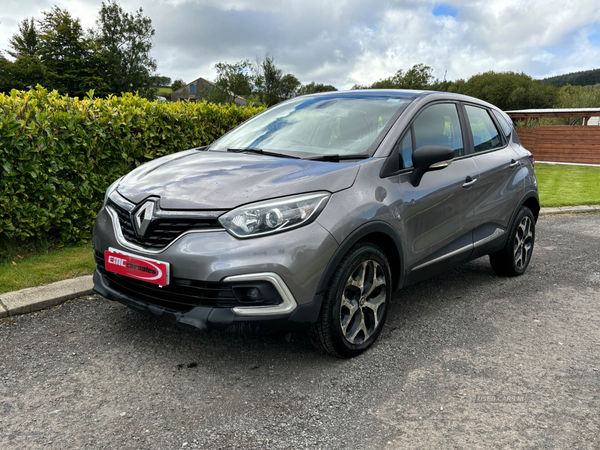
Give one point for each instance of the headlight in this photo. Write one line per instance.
(112, 188)
(273, 216)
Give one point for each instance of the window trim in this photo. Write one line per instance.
(505, 142)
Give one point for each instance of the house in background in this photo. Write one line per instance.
(193, 91)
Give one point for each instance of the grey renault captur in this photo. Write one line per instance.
(313, 213)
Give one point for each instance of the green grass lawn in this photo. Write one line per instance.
(561, 185)
(164, 91)
(46, 267)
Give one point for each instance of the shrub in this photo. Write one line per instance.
(59, 154)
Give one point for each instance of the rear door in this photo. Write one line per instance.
(498, 187)
(437, 214)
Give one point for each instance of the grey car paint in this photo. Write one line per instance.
(436, 224)
(297, 256)
(218, 180)
(435, 218)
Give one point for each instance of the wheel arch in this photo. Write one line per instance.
(532, 201)
(378, 233)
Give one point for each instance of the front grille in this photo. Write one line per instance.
(180, 294)
(162, 231)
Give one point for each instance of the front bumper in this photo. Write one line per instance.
(291, 262)
(215, 318)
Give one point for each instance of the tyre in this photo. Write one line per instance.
(514, 258)
(356, 303)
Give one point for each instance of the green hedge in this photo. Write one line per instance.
(59, 154)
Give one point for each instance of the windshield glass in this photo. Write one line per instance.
(313, 126)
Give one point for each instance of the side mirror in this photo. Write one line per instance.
(429, 157)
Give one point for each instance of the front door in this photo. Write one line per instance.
(437, 214)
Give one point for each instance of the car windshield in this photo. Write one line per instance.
(316, 126)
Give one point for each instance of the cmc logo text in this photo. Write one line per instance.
(117, 261)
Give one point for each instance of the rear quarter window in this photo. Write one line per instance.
(504, 124)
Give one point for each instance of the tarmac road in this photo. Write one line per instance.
(467, 360)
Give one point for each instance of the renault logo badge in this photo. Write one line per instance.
(143, 217)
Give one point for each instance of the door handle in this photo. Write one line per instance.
(469, 182)
(514, 163)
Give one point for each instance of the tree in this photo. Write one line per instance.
(271, 85)
(125, 41)
(177, 84)
(27, 70)
(7, 81)
(26, 41)
(233, 80)
(578, 97)
(508, 90)
(289, 86)
(161, 81)
(270, 81)
(67, 54)
(313, 88)
(418, 76)
(584, 78)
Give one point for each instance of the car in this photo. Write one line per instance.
(313, 213)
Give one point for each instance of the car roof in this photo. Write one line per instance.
(397, 93)
(402, 93)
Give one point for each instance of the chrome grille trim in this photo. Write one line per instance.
(138, 248)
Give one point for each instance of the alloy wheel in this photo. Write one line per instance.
(523, 243)
(363, 302)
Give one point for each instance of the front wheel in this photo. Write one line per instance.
(514, 258)
(356, 303)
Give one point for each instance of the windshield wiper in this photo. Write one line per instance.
(338, 157)
(260, 151)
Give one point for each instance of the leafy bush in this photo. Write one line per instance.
(59, 154)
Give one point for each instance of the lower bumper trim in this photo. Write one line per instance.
(214, 318)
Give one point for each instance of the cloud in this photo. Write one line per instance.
(352, 41)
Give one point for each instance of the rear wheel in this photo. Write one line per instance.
(356, 303)
(514, 258)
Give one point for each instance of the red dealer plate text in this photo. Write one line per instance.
(150, 270)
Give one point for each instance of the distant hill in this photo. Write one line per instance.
(585, 78)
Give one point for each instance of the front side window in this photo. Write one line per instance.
(439, 125)
(485, 135)
(315, 126)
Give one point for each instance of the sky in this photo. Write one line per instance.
(347, 42)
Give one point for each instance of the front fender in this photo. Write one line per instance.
(371, 232)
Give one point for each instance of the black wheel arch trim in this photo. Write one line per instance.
(354, 237)
(527, 196)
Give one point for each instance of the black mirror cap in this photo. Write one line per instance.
(429, 157)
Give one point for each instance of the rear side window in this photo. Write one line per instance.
(506, 127)
(485, 134)
(439, 125)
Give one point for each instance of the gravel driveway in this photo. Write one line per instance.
(467, 360)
